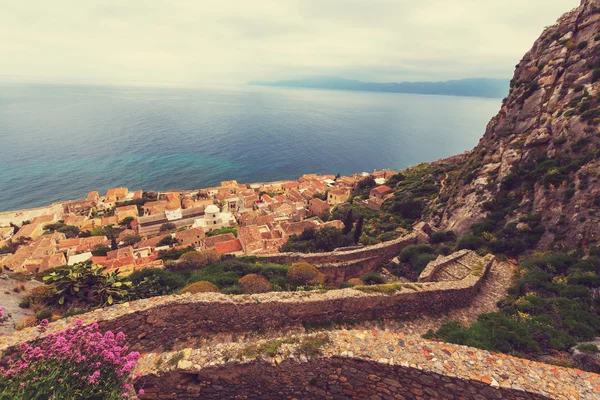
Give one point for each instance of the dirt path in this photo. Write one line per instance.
(9, 301)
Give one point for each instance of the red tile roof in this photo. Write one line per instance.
(230, 246)
(383, 189)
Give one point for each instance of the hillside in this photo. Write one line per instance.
(534, 174)
(478, 87)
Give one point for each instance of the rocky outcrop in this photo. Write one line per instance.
(552, 113)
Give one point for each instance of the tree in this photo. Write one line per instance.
(127, 221)
(100, 250)
(358, 229)
(348, 222)
(168, 241)
(167, 226)
(132, 239)
(113, 243)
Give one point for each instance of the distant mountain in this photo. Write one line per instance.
(479, 87)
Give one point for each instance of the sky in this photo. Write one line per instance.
(199, 42)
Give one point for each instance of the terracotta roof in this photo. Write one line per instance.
(383, 189)
(230, 246)
(290, 184)
(121, 192)
(213, 240)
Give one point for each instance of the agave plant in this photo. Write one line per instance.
(87, 283)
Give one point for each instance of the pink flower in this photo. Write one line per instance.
(1, 312)
(124, 395)
(141, 391)
(43, 326)
(22, 385)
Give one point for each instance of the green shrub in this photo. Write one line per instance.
(25, 303)
(588, 348)
(200, 287)
(582, 45)
(150, 282)
(303, 273)
(87, 283)
(253, 283)
(442, 237)
(43, 314)
(372, 279)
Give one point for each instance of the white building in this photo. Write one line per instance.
(214, 219)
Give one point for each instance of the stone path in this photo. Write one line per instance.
(494, 288)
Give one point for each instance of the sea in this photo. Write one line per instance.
(58, 142)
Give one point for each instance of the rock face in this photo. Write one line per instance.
(552, 113)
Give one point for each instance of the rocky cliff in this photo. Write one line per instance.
(540, 155)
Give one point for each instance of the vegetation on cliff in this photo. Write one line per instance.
(551, 307)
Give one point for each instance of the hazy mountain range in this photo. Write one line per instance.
(479, 87)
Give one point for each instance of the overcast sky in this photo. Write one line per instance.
(200, 42)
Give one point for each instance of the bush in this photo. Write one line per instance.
(41, 294)
(87, 283)
(200, 287)
(43, 314)
(355, 282)
(470, 242)
(588, 348)
(25, 303)
(197, 259)
(150, 282)
(582, 45)
(168, 226)
(372, 279)
(131, 240)
(442, 237)
(303, 273)
(253, 283)
(100, 250)
(70, 364)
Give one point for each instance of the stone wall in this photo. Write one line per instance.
(334, 378)
(434, 266)
(164, 322)
(339, 266)
(355, 364)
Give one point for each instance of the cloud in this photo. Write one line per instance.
(193, 42)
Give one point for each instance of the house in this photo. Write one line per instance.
(150, 224)
(30, 257)
(250, 239)
(380, 191)
(191, 237)
(338, 196)
(126, 211)
(229, 247)
(210, 242)
(317, 206)
(115, 194)
(79, 207)
(286, 187)
(155, 207)
(214, 219)
(52, 261)
(93, 196)
(82, 245)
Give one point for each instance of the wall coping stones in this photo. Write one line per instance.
(308, 305)
(434, 266)
(497, 370)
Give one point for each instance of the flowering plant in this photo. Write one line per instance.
(77, 363)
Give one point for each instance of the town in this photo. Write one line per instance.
(128, 230)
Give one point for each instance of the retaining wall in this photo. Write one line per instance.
(339, 266)
(164, 322)
(356, 364)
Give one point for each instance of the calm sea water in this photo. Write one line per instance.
(59, 142)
